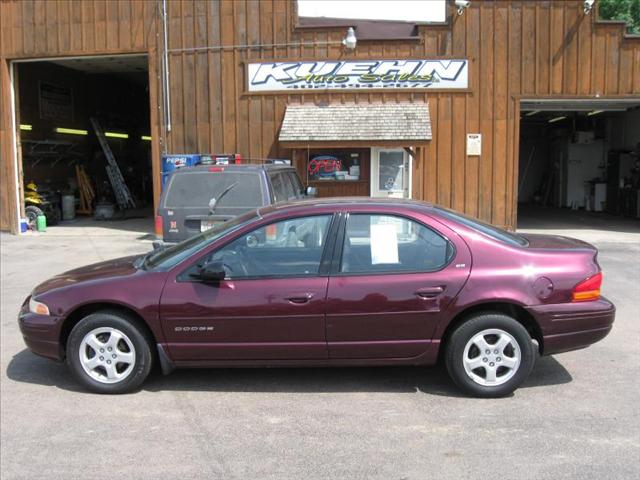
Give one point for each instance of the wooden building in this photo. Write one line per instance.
(226, 88)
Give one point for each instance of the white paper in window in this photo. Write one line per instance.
(384, 244)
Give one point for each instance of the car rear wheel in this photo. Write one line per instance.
(490, 355)
(108, 353)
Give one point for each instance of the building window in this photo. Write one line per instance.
(336, 165)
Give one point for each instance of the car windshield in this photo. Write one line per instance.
(197, 187)
(168, 257)
(490, 230)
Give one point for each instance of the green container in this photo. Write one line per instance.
(41, 223)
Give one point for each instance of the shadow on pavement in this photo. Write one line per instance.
(28, 368)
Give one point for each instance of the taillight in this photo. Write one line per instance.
(588, 289)
(159, 225)
(237, 159)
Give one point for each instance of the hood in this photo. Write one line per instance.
(555, 242)
(118, 267)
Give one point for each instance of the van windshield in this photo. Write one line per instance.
(196, 188)
(169, 257)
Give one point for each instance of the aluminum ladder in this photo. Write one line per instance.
(120, 189)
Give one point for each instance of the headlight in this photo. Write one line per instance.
(38, 307)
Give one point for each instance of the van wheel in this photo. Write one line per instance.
(489, 355)
(108, 353)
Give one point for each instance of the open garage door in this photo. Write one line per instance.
(579, 160)
(68, 175)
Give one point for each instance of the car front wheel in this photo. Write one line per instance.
(490, 355)
(108, 353)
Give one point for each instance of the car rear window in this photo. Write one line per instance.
(494, 232)
(197, 188)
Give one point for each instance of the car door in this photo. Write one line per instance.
(271, 304)
(393, 278)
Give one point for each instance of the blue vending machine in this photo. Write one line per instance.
(174, 161)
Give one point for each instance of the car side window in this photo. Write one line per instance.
(279, 191)
(291, 247)
(288, 186)
(297, 185)
(387, 244)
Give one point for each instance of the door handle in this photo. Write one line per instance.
(429, 292)
(300, 298)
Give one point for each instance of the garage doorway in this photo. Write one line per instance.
(579, 160)
(64, 171)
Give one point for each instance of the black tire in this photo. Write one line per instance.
(133, 332)
(462, 335)
(32, 212)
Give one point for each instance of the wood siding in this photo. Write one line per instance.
(515, 49)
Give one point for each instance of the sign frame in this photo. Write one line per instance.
(55, 102)
(474, 144)
(286, 77)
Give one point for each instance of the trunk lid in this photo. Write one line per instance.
(564, 262)
(556, 242)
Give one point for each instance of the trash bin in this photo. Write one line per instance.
(68, 207)
(41, 223)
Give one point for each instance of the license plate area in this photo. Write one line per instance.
(208, 224)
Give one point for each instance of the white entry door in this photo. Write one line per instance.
(390, 173)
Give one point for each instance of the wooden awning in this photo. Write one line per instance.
(362, 124)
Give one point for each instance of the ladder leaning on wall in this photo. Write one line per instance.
(120, 189)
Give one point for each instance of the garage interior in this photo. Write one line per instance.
(579, 161)
(57, 103)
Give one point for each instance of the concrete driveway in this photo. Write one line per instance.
(576, 417)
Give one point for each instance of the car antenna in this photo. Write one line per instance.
(214, 201)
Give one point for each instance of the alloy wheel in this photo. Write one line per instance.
(107, 355)
(491, 357)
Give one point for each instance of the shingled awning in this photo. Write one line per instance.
(380, 124)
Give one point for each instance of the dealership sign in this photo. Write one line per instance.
(354, 74)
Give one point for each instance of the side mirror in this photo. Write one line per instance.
(311, 191)
(212, 272)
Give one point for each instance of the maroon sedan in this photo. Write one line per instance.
(328, 283)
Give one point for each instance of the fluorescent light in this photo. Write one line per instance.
(529, 114)
(116, 135)
(25, 127)
(71, 131)
(146, 137)
(594, 112)
(556, 119)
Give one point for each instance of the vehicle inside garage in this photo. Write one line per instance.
(579, 158)
(85, 139)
